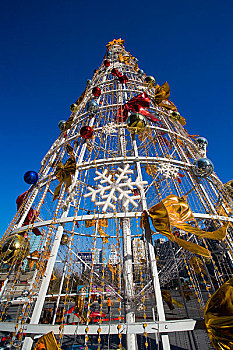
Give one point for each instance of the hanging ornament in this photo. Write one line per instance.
(89, 82)
(31, 177)
(74, 106)
(122, 78)
(65, 239)
(107, 63)
(149, 81)
(218, 315)
(202, 145)
(61, 124)
(86, 132)
(96, 91)
(203, 167)
(63, 174)
(14, 249)
(108, 54)
(177, 117)
(136, 123)
(201, 141)
(136, 104)
(229, 188)
(31, 215)
(140, 72)
(92, 107)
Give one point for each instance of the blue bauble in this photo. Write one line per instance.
(203, 167)
(92, 107)
(31, 177)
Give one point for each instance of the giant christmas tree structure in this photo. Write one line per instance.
(127, 232)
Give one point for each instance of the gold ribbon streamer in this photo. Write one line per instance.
(178, 212)
(175, 211)
(197, 265)
(48, 342)
(218, 316)
(63, 174)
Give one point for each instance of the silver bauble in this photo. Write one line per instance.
(61, 124)
(92, 107)
(203, 167)
(201, 141)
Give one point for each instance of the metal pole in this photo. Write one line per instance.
(151, 253)
(131, 339)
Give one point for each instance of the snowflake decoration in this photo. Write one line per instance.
(168, 171)
(123, 185)
(109, 128)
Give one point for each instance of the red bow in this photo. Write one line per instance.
(31, 216)
(136, 104)
(122, 78)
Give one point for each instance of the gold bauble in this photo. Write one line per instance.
(14, 249)
(65, 239)
(136, 123)
(149, 81)
(175, 116)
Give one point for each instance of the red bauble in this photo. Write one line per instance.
(106, 63)
(86, 132)
(96, 91)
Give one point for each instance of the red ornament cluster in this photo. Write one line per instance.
(96, 92)
(86, 132)
(122, 78)
(106, 63)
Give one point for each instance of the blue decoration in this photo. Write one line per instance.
(31, 177)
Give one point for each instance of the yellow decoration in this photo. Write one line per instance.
(114, 42)
(161, 93)
(151, 169)
(74, 106)
(47, 342)
(175, 211)
(218, 316)
(169, 300)
(63, 174)
(124, 59)
(229, 188)
(177, 117)
(197, 265)
(15, 248)
(32, 261)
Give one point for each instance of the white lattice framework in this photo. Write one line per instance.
(111, 183)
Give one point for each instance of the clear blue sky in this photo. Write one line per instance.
(50, 48)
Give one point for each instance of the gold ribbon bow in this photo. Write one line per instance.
(175, 211)
(169, 300)
(218, 316)
(63, 174)
(161, 96)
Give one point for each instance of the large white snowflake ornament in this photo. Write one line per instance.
(168, 171)
(109, 128)
(123, 186)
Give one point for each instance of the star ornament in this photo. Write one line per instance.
(115, 42)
